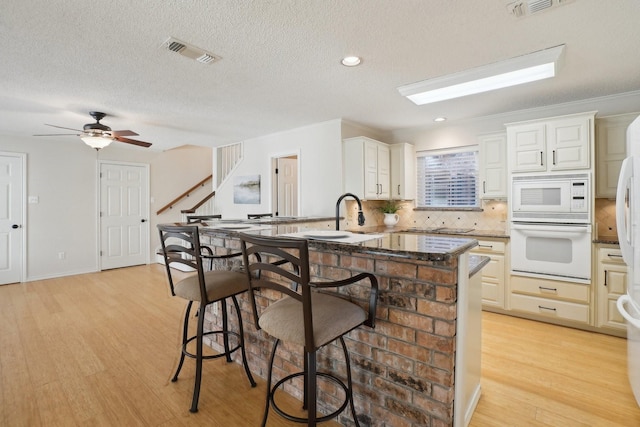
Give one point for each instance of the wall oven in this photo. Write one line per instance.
(551, 226)
(554, 251)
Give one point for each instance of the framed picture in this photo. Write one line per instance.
(246, 190)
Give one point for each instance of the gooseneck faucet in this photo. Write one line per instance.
(360, 214)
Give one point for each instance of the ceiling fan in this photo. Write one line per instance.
(96, 135)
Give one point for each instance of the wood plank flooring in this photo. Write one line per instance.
(99, 349)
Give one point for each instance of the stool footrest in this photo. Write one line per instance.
(211, 356)
(293, 418)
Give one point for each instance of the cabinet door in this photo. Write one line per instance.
(568, 143)
(493, 166)
(384, 172)
(403, 171)
(371, 187)
(527, 145)
(493, 282)
(611, 149)
(612, 283)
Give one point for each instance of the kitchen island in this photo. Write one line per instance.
(420, 366)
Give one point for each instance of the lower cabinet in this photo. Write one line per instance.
(494, 273)
(554, 299)
(611, 284)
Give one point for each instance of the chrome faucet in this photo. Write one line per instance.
(360, 214)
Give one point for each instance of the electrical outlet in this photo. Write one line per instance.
(61, 255)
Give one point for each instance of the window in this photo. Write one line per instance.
(448, 178)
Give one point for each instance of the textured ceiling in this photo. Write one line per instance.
(280, 62)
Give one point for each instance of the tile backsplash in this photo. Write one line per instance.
(492, 217)
(605, 216)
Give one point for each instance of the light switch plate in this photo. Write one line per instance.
(34, 199)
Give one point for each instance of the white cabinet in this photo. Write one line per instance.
(403, 171)
(550, 300)
(367, 168)
(611, 149)
(611, 284)
(493, 166)
(493, 274)
(557, 144)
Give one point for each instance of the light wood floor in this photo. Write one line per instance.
(99, 349)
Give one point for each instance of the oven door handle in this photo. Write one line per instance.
(551, 230)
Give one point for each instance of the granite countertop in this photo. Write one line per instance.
(473, 233)
(398, 245)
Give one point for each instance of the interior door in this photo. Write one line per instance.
(287, 186)
(11, 217)
(124, 215)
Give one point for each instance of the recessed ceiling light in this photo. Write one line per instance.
(439, 119)
(351, 61)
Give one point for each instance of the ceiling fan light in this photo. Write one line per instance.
(96, 142)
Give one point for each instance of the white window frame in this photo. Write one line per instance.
(421, 201)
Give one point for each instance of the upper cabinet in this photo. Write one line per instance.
(366, 168)
(611, 149)
(549, 145)
(493, 166)
(403, 171)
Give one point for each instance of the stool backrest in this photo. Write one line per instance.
(181, 245)
(199, 218)
(280, 264)
(256, 216)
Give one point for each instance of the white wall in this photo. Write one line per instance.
(64, 177)
(319, 150)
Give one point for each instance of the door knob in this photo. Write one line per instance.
(143, 220)
(15, 226)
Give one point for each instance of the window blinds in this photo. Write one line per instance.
(447, 179)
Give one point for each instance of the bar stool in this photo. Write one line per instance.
(181, 245)
(304, 315)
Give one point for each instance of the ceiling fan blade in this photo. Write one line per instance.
(123, 133)
(60, 127)
(132, 141)
(57, 134)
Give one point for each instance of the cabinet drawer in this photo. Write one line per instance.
(550, 308)
(489, 246)
(552, 289)
(611, 256)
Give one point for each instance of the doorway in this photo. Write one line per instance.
(13, 170)
(285, 185)
(124, 214)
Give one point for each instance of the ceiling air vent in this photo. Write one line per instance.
(192, 52)
(529, 7)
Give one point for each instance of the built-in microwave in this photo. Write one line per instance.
(560, 198)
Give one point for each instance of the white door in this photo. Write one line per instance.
(287, 177)
(11, 217)
(124, 215)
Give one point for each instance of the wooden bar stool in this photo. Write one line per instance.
(304, 316)
(181, 245)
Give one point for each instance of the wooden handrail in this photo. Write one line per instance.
(200, 203)
(183, 195)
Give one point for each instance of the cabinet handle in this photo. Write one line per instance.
(614, 255)
(541, 159)
(541, 307)
(605, 277)
(554, 156)
(484, 187)
(542, 288)
(485, 246)
(398, 189)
